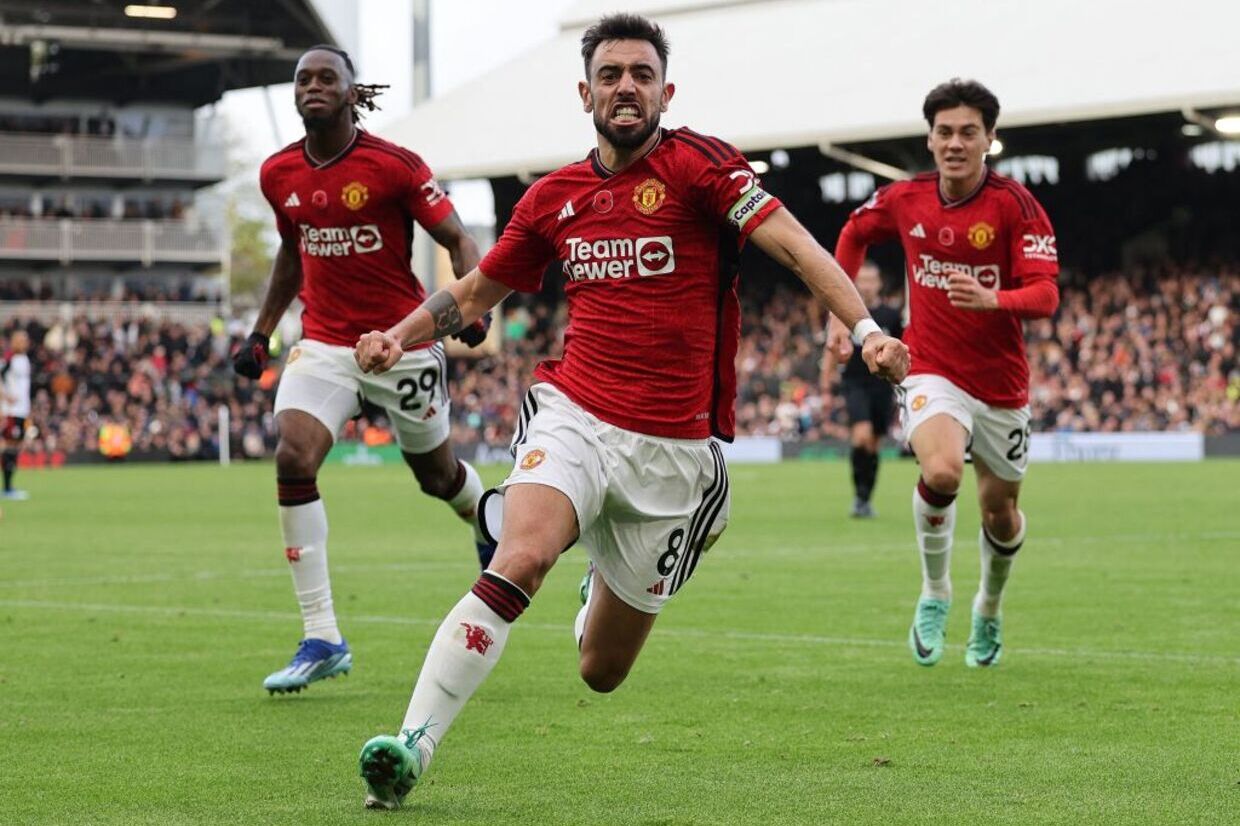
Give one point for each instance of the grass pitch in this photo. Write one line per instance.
(142, 606)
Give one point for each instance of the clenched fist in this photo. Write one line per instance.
(886, 357)
(377, 352)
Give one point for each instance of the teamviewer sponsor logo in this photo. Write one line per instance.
(614, 258)
(747, 207)
(655, 256)
(328, 242)
(933, 273)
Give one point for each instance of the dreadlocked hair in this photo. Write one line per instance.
(366, 92)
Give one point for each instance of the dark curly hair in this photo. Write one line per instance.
(957, 92)
(624, 27)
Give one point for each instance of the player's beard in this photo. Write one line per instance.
(317, 122)
(629, 138)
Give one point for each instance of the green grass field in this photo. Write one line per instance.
(142, 607)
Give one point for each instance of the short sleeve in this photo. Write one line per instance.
(285, 226)
(426, 200)
(874, 221)
(522, 253)
(1034, 252)
(733, 193)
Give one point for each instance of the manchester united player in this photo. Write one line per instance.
(614, 445)
(345, 203)
(981, 257)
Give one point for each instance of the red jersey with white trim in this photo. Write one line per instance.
(352, 218)
(999, 235)
(650, 262)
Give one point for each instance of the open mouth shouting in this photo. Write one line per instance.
(626, 114)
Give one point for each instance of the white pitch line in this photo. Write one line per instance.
(723, 552)
(674, 633)
(204, 576)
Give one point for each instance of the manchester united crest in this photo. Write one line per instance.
(354, 195)
(649, 195)
(918, 403)
(981, 235)
(533, 459)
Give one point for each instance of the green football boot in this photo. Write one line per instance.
(926, 636)
(391, 767)
(985, 642)
(586, 582)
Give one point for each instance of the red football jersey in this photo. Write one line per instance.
(352, 218)
(1001, 236)
(650, 259)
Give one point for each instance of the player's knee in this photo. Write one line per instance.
(942, 475)
(1002, 522)
(294, 460)
(523, 563)
(602, 676)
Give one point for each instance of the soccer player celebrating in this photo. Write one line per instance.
(345, 203)
(981, 257)
(870, 400)
(613, 448)
(15, 395)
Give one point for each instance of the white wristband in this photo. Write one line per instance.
(865, 327)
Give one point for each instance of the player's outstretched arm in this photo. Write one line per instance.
(447, 311)
(251, 358)
(782, 237)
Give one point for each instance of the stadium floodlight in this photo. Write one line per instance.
(1191, 130)
(155, 12)
(1228, 125)
(996, 147)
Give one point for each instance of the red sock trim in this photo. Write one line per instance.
(932, 497)
(291, 490)
(501, 596)
(1001, 550)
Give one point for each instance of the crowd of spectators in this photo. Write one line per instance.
(137, 290)
(162, 382)
(1144, 350)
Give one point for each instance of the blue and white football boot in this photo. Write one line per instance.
(315, 660)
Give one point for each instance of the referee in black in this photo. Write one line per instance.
(870, 400)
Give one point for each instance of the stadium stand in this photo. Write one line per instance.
(1153, 349)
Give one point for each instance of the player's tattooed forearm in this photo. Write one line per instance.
(445, 313)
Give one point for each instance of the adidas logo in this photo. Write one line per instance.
(918, 231)
(566, 212)
(656, 589)
(292, 200)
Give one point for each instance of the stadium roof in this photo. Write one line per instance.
(93, 50)
(765, 74)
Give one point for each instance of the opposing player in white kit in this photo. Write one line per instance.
(614, 445)
(345, 204)
(14, 409)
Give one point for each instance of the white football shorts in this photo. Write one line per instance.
(999, 436)
(647, 507)
(325, 381)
